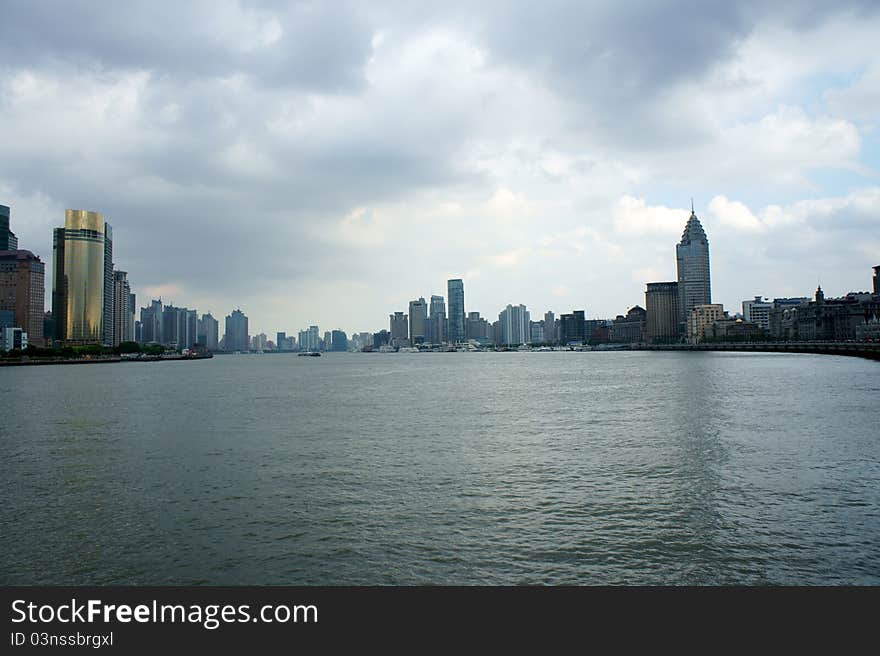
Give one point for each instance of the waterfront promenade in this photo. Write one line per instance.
(859, 349)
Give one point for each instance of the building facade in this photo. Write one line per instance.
(123, 320)
(22, 291)
(701, 320)
(662, 313)
(457, 320)
(236, 337)
(418, 320)
(437, 324)
(209, 332)
(692, 260)
(399, 328)
(82, 279)
(8, 241)
(629, 329)
(514, 320)
(758, 311)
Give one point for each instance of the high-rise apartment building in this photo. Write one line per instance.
(550, 328)
(692, 258)
(151, 323)
(82, 279)
(457, 326)
(662, 313)
(236, 337)
(514, 321)
(123, 321)
(209, 329)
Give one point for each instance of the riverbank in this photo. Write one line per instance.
(30, 362)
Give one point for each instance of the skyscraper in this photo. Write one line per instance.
(399, 329)
(22, 292)
(151, 323)
(662, 319)
(457, 325)
(8, 241)
(418, 319)
(877, 279)
(209, 329)
(692, 257)
(437, 321)
(123, 329)
(237, 332)
(109, 297)
(82, 278)
(550, 327)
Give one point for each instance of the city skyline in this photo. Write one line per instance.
(542, 164)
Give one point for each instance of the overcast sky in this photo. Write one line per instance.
(328, 162)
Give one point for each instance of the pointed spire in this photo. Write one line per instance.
(692, 204)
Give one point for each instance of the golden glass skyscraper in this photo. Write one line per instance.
(80, 282)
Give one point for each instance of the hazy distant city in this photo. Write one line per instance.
(92, 304)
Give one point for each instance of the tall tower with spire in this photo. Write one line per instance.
(692, 256)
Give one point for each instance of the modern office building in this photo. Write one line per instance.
(13, 337)
(436, 333)
(8, 241)
(123, 320)
(457, 326)
(22, 292)
(236, 337)
(550, 328)
(399, 329)
(662, 312)
(514, 321)
(209, 332)
(692, 258)
(536, 332)
(572, 328)
(418, 319)
(877, 279)
(82, 279)
(338, 341)
(477, 328)
(758, 311)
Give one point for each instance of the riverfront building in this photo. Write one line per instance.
(662, 312)
(514, 320)
(692, 259)
(437, 328)
(22, 292)
(701, 320)
(399, 329)
(123, 318)
(236, 337)
(209, 329)
(418, 319)
(629, 329)
(758, 311)
(457, 321)
(82, 279)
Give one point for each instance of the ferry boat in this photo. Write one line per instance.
(312, 354)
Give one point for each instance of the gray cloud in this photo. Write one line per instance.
(319, 161)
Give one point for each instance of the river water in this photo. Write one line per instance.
(447, 468)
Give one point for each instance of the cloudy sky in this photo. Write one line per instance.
(327, 162)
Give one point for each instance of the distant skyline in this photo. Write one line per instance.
(326, 164)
